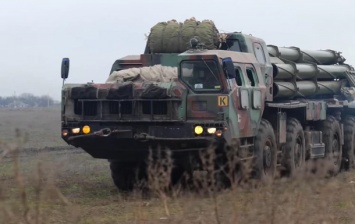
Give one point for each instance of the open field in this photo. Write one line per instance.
(40, 126)
(48, 182)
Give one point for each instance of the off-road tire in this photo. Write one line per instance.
(295, 148)
(333, 149)
(349, 143)
(125, 175)
(265, 151)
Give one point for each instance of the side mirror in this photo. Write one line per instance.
(65, 68)
(228, 68)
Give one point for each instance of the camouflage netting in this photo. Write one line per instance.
(174, 37)
(83, 92)
(156, 73)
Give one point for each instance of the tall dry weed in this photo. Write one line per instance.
(223, 191)
(29, 203)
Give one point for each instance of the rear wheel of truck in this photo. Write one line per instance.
(265, 150)
(125, 174)
(333, 149)
(295, 147)
(349, 142)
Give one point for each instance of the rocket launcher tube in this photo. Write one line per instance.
(323, 57)
(330, 87)
(306, 88)
(284, 72)
(298, 71)
(291, 53)
(294, 54)
(287, 90)
(331, 72)
(284, 90)
(302, 71)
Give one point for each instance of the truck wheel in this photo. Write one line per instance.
(349, 142)
(265, 151)
(295, 146)
(331, 138)
(124, 175)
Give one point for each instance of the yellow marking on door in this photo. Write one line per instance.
(223, 101)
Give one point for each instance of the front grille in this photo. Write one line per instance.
(89, 108)
(159, 107)
(135, 109)
(124, 106)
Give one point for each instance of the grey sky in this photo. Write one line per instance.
(35, 35)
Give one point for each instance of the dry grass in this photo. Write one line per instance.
(68, 186)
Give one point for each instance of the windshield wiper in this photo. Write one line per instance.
(214, 75)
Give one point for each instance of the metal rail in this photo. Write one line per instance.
(153, 109)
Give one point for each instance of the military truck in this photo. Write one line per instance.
(277, 107)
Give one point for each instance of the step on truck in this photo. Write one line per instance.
(277, 106)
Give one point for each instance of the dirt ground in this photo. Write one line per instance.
(45, 181)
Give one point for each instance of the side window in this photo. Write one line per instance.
(233, 45)
(239, 76)
(253, 79)
(259, 53)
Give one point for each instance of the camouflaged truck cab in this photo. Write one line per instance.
(277, 107)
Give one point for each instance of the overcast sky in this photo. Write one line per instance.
(36, 34)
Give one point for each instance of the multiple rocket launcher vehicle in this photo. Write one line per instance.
(301, 108)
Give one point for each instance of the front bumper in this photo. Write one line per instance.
(111, 141)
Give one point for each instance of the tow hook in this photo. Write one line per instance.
(104, 132)
(141, 137)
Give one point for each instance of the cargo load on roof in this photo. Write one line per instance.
(174, 37)
(156, 73)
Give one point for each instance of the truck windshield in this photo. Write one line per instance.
(201, 75)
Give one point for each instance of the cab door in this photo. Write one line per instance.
(255, 95)
(249, 105)
(241, 103)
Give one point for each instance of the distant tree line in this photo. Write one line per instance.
(26, 100)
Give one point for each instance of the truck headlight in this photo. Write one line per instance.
(211, 130)
(75, 130)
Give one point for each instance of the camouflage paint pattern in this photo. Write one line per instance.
(316, 111)
(238, 109)
(241, 122)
